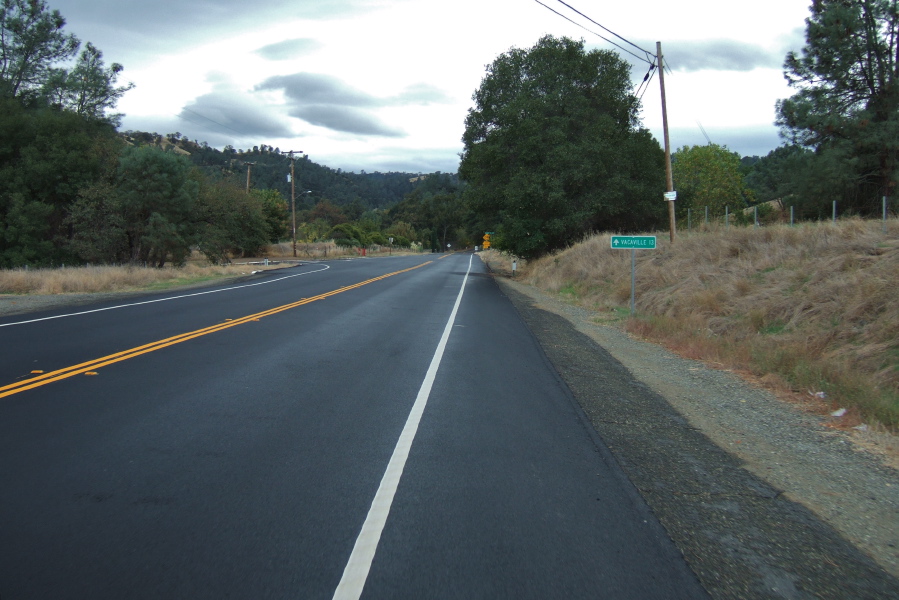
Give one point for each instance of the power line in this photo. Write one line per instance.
(637, 56)
(240, 133)
(648, 53)
(652, 73)
(645, 79)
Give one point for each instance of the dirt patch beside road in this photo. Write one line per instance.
(762, 499)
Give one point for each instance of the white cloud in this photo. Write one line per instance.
(363, 81)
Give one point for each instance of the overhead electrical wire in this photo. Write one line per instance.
(646, 79)
(652, 73)
(648, 53)
(210, 120)
(650, 57)
(637, 56)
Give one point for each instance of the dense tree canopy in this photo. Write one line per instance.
(847, 104)
(157, 196)
(46, 158)
(772, 177)
(709, 176)
(554, 148)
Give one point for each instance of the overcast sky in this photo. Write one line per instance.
(385, 85)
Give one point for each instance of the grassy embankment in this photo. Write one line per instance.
(803, 310)
(82, 280)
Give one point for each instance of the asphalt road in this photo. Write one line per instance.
(388, 427)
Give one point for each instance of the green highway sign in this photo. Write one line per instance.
(634, 242)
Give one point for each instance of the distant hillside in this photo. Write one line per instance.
(364, 190)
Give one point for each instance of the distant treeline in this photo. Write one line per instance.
(271, 166)
(73, 190)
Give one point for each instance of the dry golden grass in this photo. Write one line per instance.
(84, 280)
(93, 279)
(814, 308)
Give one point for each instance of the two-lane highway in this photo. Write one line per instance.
(386, 428)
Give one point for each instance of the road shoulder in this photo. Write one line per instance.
(762, 500)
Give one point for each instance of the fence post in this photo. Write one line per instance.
(834, 212)
(755, 216)
(791, 216)
(726, 217)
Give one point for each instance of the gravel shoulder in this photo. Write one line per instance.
(762, 498)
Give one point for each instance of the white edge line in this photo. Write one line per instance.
(356, 571)
(96, 310)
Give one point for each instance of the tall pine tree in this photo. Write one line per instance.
(847, 104)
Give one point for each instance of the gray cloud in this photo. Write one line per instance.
(326, 101)
(422, 93)
(226, 112)
(313, 88)
(346, 119)
(166, 16)
(289, 49)
(720, 55)
(135, 32)
(712, 55)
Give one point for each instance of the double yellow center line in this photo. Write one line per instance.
(86, 367)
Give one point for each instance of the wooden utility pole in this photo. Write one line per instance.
(249, 167)
(293, 197)
(668, 176)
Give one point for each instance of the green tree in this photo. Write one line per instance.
(444, 213)
(709, 176)
(371, 220)
(847, 104)
(327, 211)
(401, 229)
(411, 211)
(46, 158)
(228, 221)
(773, 176)
(554, 148)
(349, 235)
(31, 41)
(275, 211)
(98, 226)
(89, 89)
(157, 197)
